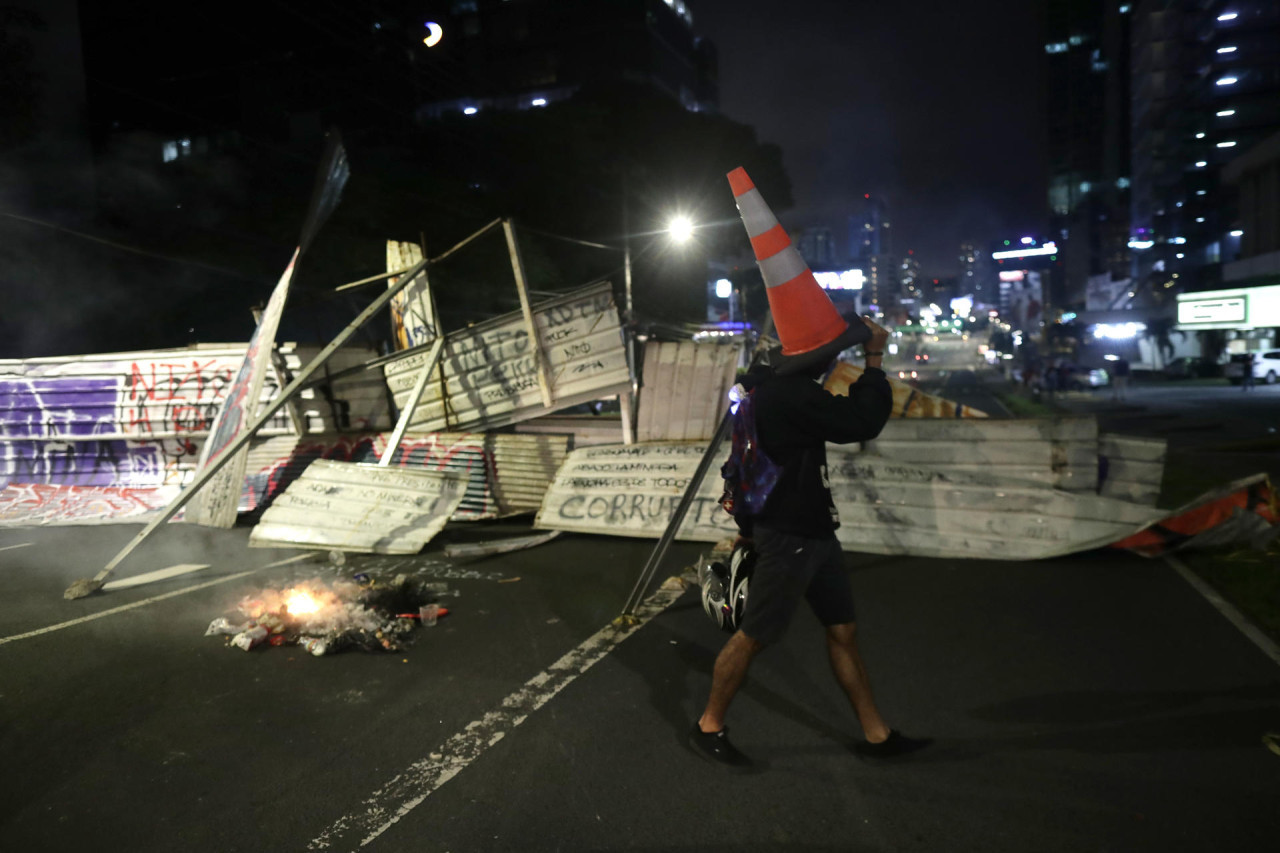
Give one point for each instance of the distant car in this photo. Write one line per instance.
(1192, 367)
(1266, 367)
(1095, 378)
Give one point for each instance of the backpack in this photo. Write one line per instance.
(749, 474)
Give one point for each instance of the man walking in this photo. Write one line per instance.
(798, 555)
(1247, 365)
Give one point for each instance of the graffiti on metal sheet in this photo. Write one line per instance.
(98, 463)
(149, 398)
(634, 490)
(168, 397)
(38, 503)
(492, 371)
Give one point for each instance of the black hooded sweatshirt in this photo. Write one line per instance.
(795, 418)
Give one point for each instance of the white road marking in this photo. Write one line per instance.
(1250, 630)
(20, 545)
(157, 575)
(122, 608)
(410, 788)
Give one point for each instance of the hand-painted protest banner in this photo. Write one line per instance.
(489, 372)
(633, 490)
(361, 507)
(215, 505)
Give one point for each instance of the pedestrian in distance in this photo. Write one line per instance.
(1120, 379)
(1246, 380)
(793, 533)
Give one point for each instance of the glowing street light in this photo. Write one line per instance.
(681, 229)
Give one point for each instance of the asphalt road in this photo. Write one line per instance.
(1216, 432)
(1089, 703)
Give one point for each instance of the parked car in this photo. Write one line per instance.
(1075, 378)
(1192, 367)
(1266, 366)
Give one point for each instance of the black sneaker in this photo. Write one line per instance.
(897, 744)
(715, 747)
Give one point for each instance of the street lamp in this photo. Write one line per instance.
(679, 229)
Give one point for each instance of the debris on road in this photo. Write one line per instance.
(326, 617)
(498, 546)
(1245, 512)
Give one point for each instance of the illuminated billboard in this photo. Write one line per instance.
(846, 280)
(1229, 310)
(1239, 308)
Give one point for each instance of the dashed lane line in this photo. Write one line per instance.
(19, 545)
(412, 786)
(144, 602)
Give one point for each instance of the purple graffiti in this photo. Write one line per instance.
(36, 413)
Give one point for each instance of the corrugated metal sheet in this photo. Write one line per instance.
(489, 372)
(886, 506)
(41, 504)
(137, 421)
(1132, 468)
(523, 468)
(505, 474)
(583, 430)
(461, 454)
(633, 490)
(360, 507)
(684, 392)
(1059, 452)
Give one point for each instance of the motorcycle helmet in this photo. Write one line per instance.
(724, 587)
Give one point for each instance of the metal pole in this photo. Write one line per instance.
(660, 550)
(275, 405)
(531, 328)
(371, 279)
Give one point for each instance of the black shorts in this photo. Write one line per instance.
(788, 568)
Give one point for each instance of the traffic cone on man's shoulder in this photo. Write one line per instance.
(810, 328)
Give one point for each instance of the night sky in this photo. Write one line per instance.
(936, 105)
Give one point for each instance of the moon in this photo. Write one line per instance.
(436, 32)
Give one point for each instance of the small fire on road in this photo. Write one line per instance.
(327, 617)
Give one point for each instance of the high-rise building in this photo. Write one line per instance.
(1205, 89)
(909, 286)
(818, 247)
(1087, 59)
(976, 277)
(871, 248)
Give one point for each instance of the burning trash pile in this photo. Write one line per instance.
(325, 618)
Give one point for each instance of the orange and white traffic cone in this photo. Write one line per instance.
(810, 328)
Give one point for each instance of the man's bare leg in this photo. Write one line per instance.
(729, 673)
(846, 663)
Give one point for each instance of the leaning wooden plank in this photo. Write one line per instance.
(157, 575)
